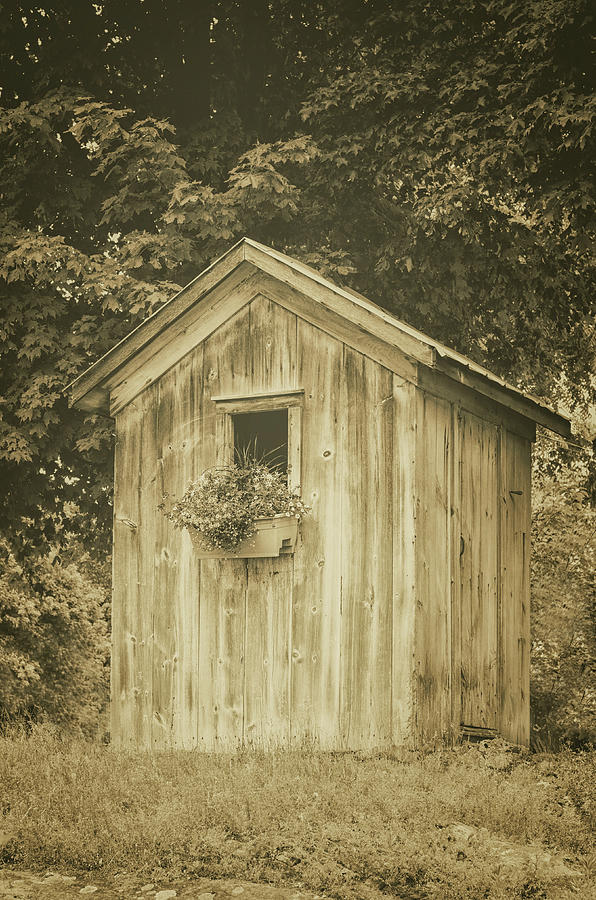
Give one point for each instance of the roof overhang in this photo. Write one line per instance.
(249, 268)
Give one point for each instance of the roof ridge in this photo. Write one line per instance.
(359, 310)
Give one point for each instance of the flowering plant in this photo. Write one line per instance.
(224, 503)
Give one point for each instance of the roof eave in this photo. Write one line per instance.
(507, 395)
(85, 391)
(89, 392)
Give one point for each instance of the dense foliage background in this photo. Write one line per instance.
(563, 603)
(434, 156)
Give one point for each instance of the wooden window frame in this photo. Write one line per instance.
(229, 406)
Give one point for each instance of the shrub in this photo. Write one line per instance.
(53, 642)
(563, 667)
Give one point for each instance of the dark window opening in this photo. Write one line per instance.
(263, 435)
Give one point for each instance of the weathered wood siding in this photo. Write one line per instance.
(128, 672)
(175, 608)
(432, 674)
(404, 558)
(367, 550)
(404, 609)
(315, 641)
(478, 571)
(471, 539)
(514, 613)
(297, 649)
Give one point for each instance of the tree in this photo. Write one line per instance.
(461, 135)
(436, 157)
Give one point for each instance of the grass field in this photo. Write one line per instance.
(353, 827)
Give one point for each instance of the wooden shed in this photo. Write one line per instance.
(402, 614)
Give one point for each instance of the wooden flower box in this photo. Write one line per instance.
(274, 536)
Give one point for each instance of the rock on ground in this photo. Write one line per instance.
(545, 865)
(21, 885)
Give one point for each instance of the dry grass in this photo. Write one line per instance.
(355, 828)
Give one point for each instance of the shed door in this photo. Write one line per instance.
(478, 572)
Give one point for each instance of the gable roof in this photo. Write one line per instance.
(230, 282)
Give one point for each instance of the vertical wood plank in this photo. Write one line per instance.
(224, 437)
(165, 657)
(524, 459)
(404, 557)
(455, 579)
(515, 513)
(221, 657)
(433, 588)
(502, 561)
(125, 576)
(148, 502)
(176, 571)
(191, 565)
(469, 524)
(226, 370)
(269, 581)
(267, 662)
(295, 448)
(479, 574)
(367, 551)
(489, 542)
(272, 346)
(316, 607)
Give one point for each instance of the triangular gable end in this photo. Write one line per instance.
(232, 281)
(216, 295)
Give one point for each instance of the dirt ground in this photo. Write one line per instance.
(22, 885)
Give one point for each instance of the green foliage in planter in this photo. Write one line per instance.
(225, 502)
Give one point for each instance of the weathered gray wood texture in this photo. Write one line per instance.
(403, 612)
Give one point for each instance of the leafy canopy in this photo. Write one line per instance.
(434, 156)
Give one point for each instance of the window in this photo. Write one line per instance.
(268, 425)
(263, 435)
